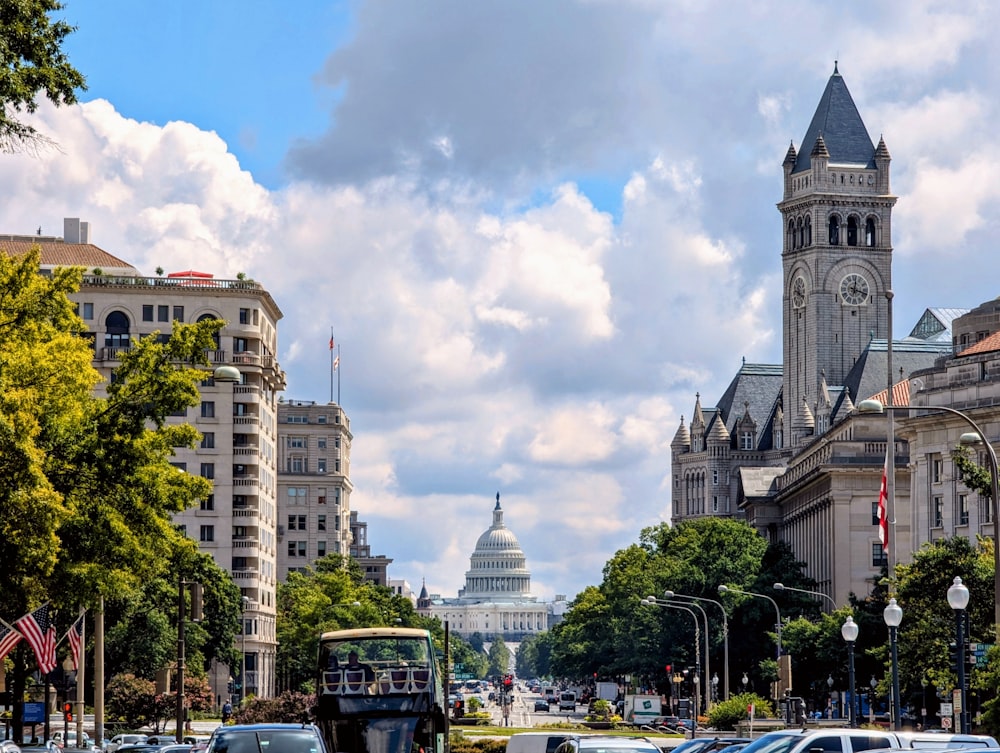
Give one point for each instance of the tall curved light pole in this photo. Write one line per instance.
(893, 615)
(732, 589)
(974, 438)
(704, 615)
(849, 632)
(783, 587)
(725, 635)
(653, 601)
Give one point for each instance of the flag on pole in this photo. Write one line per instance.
(336, 362)
(40, 633)
(331, 342)
(883, 498)
(9, 638)
(75, 635)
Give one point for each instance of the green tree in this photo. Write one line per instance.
(131, 700)
(32, 61)
(533, 658)
(499, 656)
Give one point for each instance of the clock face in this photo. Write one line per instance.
(854, 290)
(798, 292)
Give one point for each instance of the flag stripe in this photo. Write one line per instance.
(75, 635)
(40, 633)
(9, 638)
(883, 513)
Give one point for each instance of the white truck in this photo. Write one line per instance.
(642, 709)
(607, 691)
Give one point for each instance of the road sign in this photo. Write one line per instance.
(946, 722)
(947, 709)
(464, 676)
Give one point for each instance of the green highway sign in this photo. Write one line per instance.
(464, 676)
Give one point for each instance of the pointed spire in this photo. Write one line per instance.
(682, 439)
(819, 148)
(719, 433)
(847, 406)
(791, 154)
(844, 133)
(882, 151)
(824, 392)
(835, 71)
(698, 417)
(806, 418)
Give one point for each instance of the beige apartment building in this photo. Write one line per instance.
(314, 487)
(237, 524)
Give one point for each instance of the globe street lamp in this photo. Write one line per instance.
(829, 701)
(958, 599)
(704, 615)
(783, 587)
(893, 616)
(745, 681)
(849, 632)
(871, 701)
(974, 438)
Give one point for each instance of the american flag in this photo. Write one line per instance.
(883, 512)
(40, 634)
(9, 638)
(75, 635)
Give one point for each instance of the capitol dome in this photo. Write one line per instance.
(497, 568)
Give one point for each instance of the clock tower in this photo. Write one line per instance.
(836, 212)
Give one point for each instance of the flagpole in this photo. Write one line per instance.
(338, 375)
(331, 364)
(81, 676)
(890, 487)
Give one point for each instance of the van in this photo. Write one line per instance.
(848, 741)
(535, 742)
(567, 701)
(550, 694)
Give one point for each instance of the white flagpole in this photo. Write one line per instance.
(81, 676)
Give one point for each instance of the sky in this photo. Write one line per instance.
(535, 229)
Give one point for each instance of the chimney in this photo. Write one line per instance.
(75, 231)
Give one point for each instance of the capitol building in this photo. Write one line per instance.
(497, 595)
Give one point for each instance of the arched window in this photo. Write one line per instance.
(116, 330)
(802, 234)
(852, 231)
(215, 337)
(870, 232)
(834, 230)
(809, 231)
(791, 234)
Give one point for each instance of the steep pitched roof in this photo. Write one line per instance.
(755, 390)
(869, 375)
(838, 122)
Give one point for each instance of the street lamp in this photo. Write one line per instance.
(653, 601)
(243, 647)
(715, 687)
(745, 681)
(893, 616)
(704, 615)
(829, 699)
(974, 438)
(849, 632)
(871, 700)
(732, 589)
(725, 634)
(783, 587)
(958, 599)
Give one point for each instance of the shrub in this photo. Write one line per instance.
(726, 714)
(287, 707)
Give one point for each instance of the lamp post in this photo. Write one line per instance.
(704, 615)
(653, 601)
(829, 694)
(958, 599)
(893, 616)
(849, 632)
(745, 681)
(871, 700)
(243, 649)
(715, 688)
(974, 438)
(725, 635)
(783, 587)
(732, 589)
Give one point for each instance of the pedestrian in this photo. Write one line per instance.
(227, 712)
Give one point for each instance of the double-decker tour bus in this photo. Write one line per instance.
(379, 690)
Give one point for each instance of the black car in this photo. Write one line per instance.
(541, 704)
(261, 738)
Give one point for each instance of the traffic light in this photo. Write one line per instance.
(68, 711)
(953, 656)
(670, 668)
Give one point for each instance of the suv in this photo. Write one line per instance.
(260, 738)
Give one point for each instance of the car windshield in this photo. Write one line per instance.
(774, 742)
(265, 741)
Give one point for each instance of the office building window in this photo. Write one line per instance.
(244, 316)
(296, 548)
(715, 478)
(937, 470)
(208, 503)
(985, 510)
(163, 313)
(239, 345)
(937, 512)
(296, 522)
(207, 533)
(321, 443)
(88, 311)
(336, 466)
(179, 313)
(320, 548)
(875, 513)
(296, 465)
(208, 470)
(180, 466)
(147, 312)
(963, 509)
(879, 557)
(208, 409)
(321, 523)
(208, 440)
(746, 440)
(321, 465)
(296, 443)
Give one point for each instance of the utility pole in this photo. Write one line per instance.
(180, 657)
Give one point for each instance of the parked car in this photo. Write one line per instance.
(161, 740)
(541, 704)
(9, 746)
(606, 744)
(535, 742)
(267, 737)
(126, 738)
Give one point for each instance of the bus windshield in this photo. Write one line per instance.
(380, 691)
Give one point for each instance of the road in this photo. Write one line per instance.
(522, 712)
